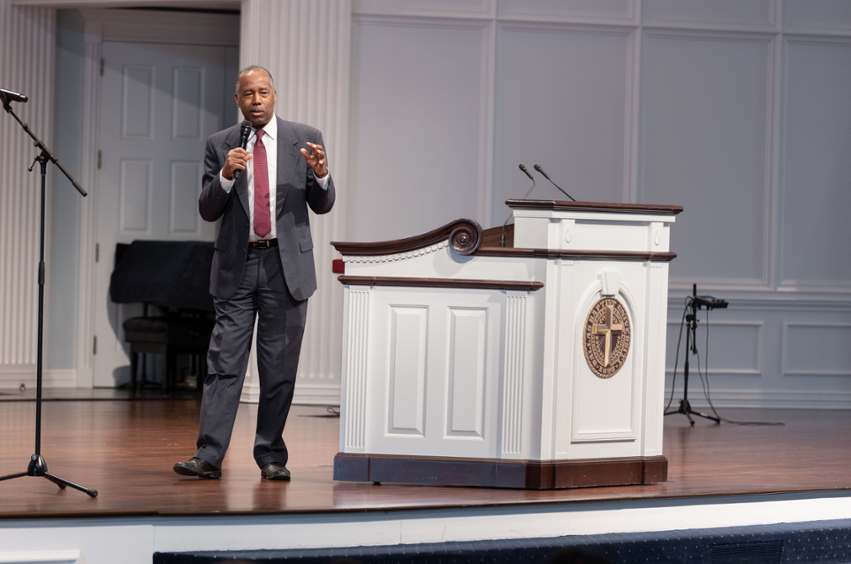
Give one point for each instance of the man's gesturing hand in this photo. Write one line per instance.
(316, 159)
(237, 159)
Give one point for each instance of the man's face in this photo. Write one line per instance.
(256, 98)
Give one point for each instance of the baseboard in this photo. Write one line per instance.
(312, 394)
(43, 557)
(250, 393)
(15, 376)
(762, 399)
(305, 394)
(64, 378)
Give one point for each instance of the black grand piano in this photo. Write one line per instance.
(174, 278)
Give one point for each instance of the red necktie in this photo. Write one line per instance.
(262, 219)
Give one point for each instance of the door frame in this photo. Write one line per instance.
(137, 26)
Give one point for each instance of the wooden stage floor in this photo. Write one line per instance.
(126, 449)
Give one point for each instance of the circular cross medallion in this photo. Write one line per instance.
(606, 337)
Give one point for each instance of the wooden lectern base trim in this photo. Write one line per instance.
(493, 473)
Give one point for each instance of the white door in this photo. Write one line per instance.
(159, 103)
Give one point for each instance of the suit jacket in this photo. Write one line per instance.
(297, 189)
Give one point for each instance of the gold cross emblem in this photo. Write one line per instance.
(608, 329)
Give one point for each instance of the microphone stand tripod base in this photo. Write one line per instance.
(38, 467)
(685, 409)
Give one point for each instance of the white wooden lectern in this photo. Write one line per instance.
(540, 364)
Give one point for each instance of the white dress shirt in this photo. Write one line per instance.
(270, 142)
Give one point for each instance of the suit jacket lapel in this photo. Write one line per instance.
(241, 186)
(288, 155)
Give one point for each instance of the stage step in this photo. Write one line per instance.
(825, 542)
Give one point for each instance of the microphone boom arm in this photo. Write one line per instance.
(539, 169)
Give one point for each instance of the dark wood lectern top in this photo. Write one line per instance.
(560, 205)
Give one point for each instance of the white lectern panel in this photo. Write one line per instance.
(439, 347)
(406, 370)
(466, 364)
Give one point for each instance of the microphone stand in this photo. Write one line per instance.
(691, 346)
(37, 466)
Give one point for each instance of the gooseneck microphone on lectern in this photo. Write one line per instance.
(244, 134)
(526, 171)
(8, 96)
(539, 169)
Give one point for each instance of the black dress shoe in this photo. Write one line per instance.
(275, 471)
(198, 467)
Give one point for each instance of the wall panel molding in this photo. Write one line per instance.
(819, 348)
(467, 9)
(526, 11)
(485, 151)
(767, 182)
(412, 103)
(812, 148)
(761, 398)
(786, 301)
(616, 136)
(704, 16)
(830, 17)
(716, 327)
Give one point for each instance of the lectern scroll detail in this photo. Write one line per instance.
(606, 337)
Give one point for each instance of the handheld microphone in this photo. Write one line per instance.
(244, 134)
(6, 95)
(525, 170)
(539, 169)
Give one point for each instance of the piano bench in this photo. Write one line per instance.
(169, 336)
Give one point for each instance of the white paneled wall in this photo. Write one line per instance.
(738, 110)
(27, 37)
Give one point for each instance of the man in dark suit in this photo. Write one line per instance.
(262, 267)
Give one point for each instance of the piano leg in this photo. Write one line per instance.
(134, 366)
(170, 370)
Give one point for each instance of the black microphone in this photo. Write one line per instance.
(6, 95)
(709, 302)
(244, 134)
(524, 169)
(539, 169)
